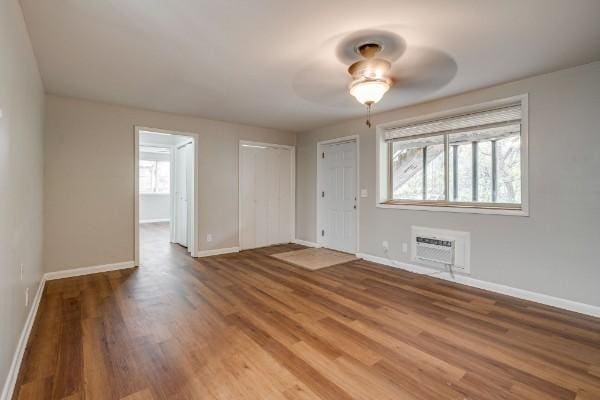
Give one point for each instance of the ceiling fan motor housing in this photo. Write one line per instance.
(370, 78)
(371, 68)
(368, 49)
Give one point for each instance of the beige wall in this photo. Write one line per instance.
(21, 161)
(554, 251)
(89, 179)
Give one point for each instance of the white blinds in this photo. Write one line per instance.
(508, 115)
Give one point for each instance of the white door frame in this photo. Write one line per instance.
(136, 206)
(320, 145)
(292, 184)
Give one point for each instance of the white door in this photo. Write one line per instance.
(265, 196)
(339, 196)
(189, 192)
(181, 196)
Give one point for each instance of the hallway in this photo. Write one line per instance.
(156, 248)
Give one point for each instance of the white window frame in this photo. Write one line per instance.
(154, 192)
(382, 158)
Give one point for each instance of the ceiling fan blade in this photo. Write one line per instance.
(421, 71)
(416, 71)
(325, 83)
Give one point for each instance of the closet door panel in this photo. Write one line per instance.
(265, 196)
(261, 190)
(273, 155)
(247, 198)
(285, 196)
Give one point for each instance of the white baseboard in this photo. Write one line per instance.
(216, 252)
(306, 243)
(11, 379)
(68, 273)
(15, 366)
(150, 221)
(558, 302)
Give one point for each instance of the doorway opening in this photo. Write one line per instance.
(337, 194)
(166, 191)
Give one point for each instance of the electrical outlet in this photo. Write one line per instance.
(21, 268)
(364, 193)
(26, 297)
(209, 237)
(404, 247)
(385, 245)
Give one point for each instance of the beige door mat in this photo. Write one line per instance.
(314, 259)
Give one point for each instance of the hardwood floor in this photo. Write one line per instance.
(248, 326)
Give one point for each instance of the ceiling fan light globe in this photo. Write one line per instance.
(369, 91)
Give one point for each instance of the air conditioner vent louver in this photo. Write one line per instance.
(435, 250)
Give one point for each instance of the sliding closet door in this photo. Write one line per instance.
(265, 196)
(286, 200)
(247, 207)
(273, 206)
(261, 197)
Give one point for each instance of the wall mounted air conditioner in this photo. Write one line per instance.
(435, 250)
(440, 248)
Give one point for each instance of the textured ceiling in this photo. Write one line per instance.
(282, 64)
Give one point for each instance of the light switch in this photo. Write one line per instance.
(364, 193)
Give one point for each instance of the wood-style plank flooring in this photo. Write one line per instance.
(248, 326)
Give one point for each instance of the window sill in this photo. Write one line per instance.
(455, 208)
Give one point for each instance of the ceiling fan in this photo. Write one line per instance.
(369, 65)
(370, 76)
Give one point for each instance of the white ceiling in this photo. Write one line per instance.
(161, 139)
(273, 63)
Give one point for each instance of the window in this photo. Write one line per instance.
(418, 169)
(470, 159)
(155, 176)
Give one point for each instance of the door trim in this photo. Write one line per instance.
(356, 140)
(136, 202)
(292, 184)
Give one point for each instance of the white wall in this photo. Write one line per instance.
(155, 206)
(554, 251)
(89, 178)
(21, 183)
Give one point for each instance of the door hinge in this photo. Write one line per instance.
(323, 194)
(323, 232)
(322, 155)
